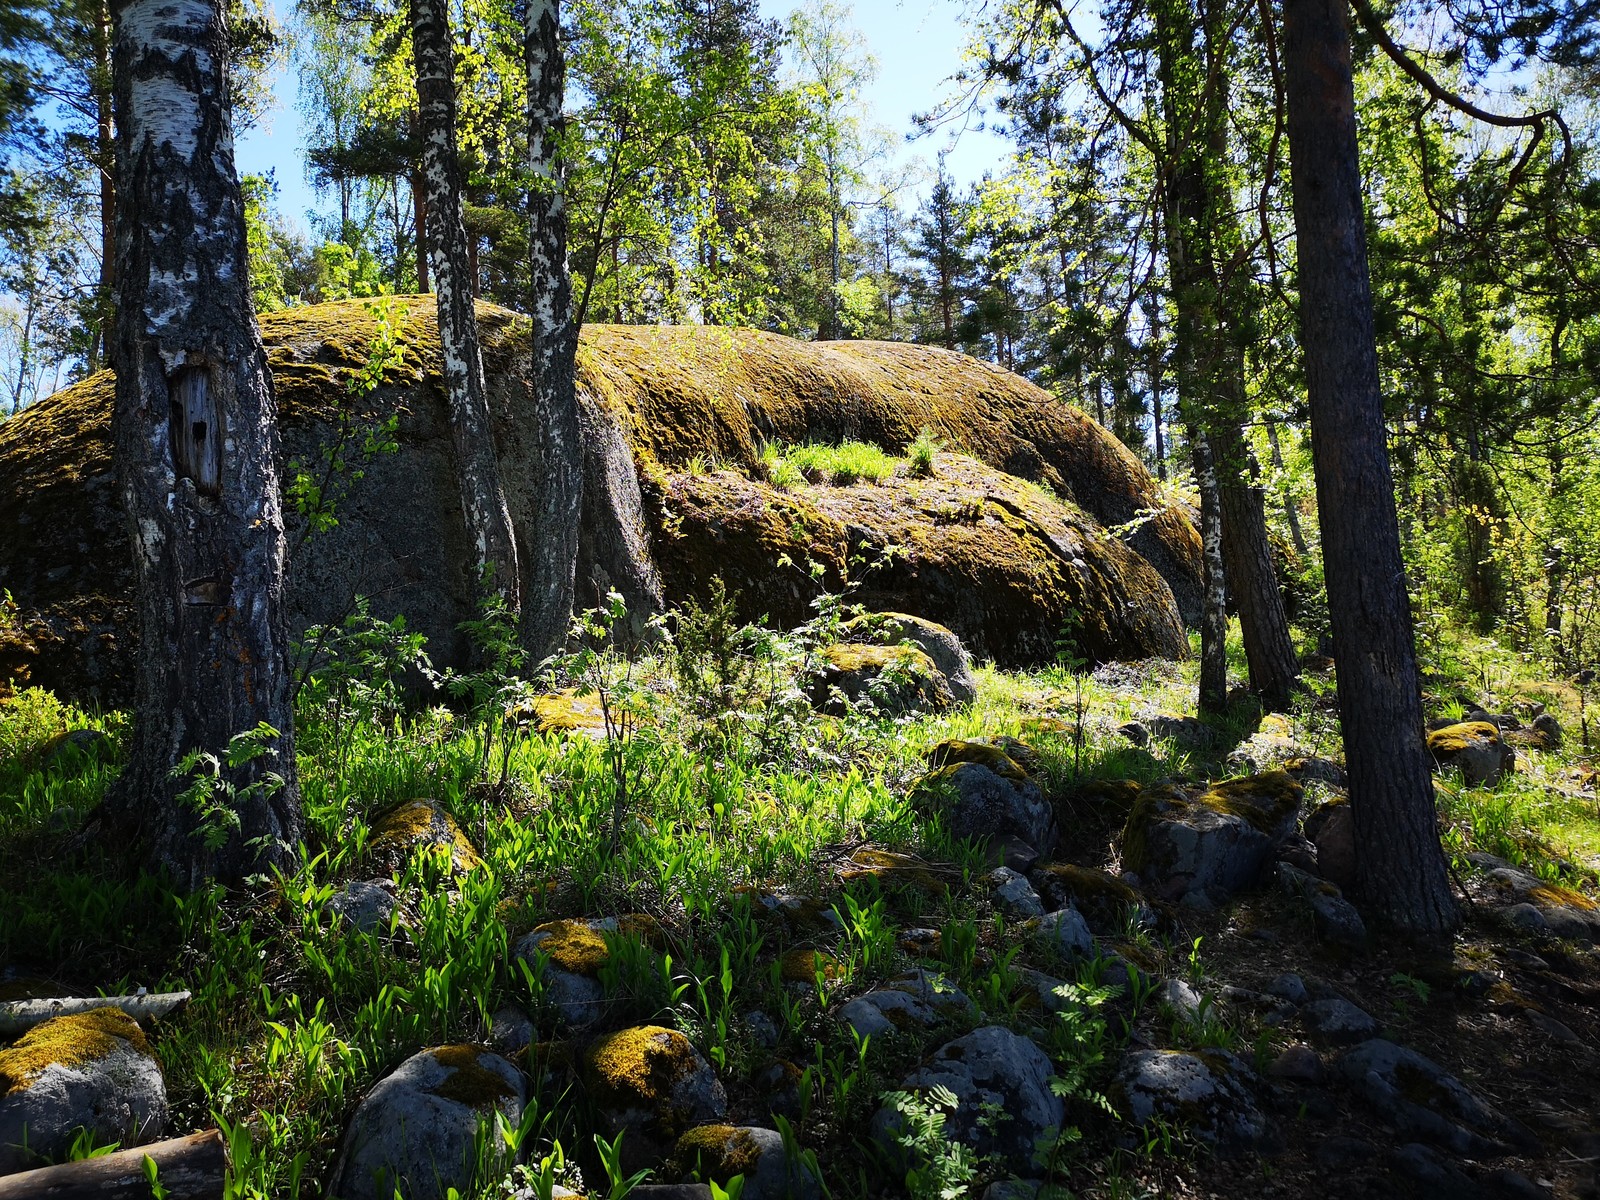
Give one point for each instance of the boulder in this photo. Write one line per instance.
(1213, 844)
(997, 800)
(1272, 747)
(1331, 828)
(416, 1130)
(1207, 1093)
(1104, 900)
(90, 1071)
(1562, 911)
(920, 999)
(1337, 1022)
(575, 951)
(1013, 894)
(654, 1085)
(1066, 933)
(367, 905)
(936, 641)
(419, 824)
(720, 1152)
(991, 1070)
(1417, 1096)
(1475, 748)
(893, 680)
(651, 400)
(1333, 917)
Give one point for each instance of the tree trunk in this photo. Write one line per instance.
(196, 444)
(1214, 617)
(1291, 514)
(1400, 869)
(483, 501)
(106, 164)
(187, 1168)
(419, 218)
(552, 559)
(1253, 576)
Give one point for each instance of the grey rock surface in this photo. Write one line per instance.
(1208, 1095)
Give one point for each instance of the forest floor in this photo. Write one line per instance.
(736, 818)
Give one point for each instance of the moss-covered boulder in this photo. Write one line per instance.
(1563, 911)
(1205, 1094)
(418, 824)
(414, 1133)
(1103, 899)
(91, 1071)
(892, 680)
(1212, 844)
(574, 952)
(652, 1084)
(719, 1152)
(1476, 748)
(998, 561)
(976, 801)
(933, 639)
(653, 400)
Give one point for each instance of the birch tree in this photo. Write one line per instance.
(554, 338)
(483, 500)
(210, 788)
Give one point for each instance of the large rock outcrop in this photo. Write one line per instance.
(978, 547)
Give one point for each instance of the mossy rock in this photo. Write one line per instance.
(651, 1083)
(415, 824)
(895, 680)
(661, 397)
(91, 1070)
(891, 870)
(1476, 748)
(803, 966)
(955, 750)
(719, 1152)
(575, 951)
(1103, 899)
(1003, 572)
(565, 712)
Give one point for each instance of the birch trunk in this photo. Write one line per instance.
(553, 557)
(483, 501)
(1400, 868)
(195, 442)
(1214, 616)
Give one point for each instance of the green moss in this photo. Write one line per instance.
(1088, 888)
(1266, 801)
(574, 946)
(469, 1081)
(416, 823)
(721, 1151)
(1453, 739)
(954, 751)
(894, 870)
(72, 1041)
(645, 1063)
(802, 966)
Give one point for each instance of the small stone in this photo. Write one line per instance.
(1297, 1064)
(368, 905)
(763, 1031)
(1289, 986)
(1013, 894)
(720, 1152)
(510, 1031)
(1012, 1189)
(1136, 733)
(1338, 1022)
(1549, 1026)
(1067, 933)
(1182, 998)
(1525, 916)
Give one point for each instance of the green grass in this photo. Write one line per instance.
(735, 788)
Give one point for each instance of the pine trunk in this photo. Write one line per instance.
(195, 442)
(483, 500)
(552, 560)
(1400, 868)
(1253, 576)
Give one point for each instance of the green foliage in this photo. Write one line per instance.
(213, 796)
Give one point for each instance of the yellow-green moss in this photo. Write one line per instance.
(574, 946)
(954, 751)
(891, 869)
(1453, 739)
(802, 966)
(645, 1063)
(567, 712)
(721, 1150)
(859, 656)
(1263, 800)
(1089, 885)
(470, 1082)
(415, 823)
(72, 1041)
(1550, 895)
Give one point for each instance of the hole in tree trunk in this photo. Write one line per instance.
(196, 430)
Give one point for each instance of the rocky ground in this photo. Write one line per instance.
(1146, 984)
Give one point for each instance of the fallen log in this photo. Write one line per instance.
(19, 1016)
(187, 1168)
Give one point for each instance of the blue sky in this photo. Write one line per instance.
(917, 44)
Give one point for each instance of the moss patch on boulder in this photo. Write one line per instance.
(72, 1041)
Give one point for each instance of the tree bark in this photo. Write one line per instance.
(1214, 616)
(19, 1016)
(1253, 576)
(1400, 868)
(553, 557)
(188, 1168)
(196, 443)
(106, 164)
(483, 500)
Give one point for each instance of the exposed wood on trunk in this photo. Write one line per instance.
(19, 1016)
(478, 470)
(552, 558)
(187, 1168)
(1400, 868)
(208, 544)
